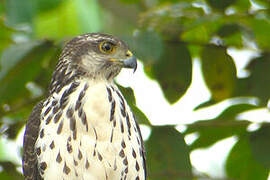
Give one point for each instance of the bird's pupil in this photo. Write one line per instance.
(107, 47)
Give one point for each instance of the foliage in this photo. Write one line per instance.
(166, 36)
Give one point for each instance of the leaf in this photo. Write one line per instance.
(261, 31)
(9, 171)
(47, 5)
(167, 62)
(258, 83)
(173, 71)
(220, 4)
(20, 64)
(147, 45)
(219, 72)
(221, 127)
(205, 104)
(168, 155)
(241, 164)
(18, 12)
(242, 5)
(59, 22)
(260, 145)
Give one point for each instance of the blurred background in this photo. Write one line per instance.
(200, 92)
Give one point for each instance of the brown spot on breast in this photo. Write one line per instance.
(86, 164)
(58, 158)
(123, 144)
(41, 134)
(60, 127)
(134, 153)
(109, 94)
(43, 166)
(125, 161)
(57, 117)
(69, 112)
(75, 162)
(112, 111)
(122, 153)
(80, 154)
(69, 148)
(47, 110)
(137, 166)
(126, 170)
(48, 120)
(52, 145)
(38, 151)
(66, 169)
(99, 156)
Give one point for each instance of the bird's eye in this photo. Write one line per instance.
(106, 47)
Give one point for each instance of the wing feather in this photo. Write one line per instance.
(30, 169)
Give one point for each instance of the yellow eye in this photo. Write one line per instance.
(106, 47)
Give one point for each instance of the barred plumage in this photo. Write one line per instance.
(85, 128)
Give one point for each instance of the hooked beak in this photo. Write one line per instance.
(129, 62)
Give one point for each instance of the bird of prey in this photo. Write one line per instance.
(85, 129)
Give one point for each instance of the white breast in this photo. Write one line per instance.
(97, 151)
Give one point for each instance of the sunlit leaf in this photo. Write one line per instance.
(260, 145)
(219, 72)
(221, 127)
(168, 155)
(59, 22)
(241, 164)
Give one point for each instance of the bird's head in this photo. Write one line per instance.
(98, 55)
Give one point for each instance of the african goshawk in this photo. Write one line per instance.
(85, 128)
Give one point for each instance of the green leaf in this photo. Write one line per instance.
(9, 171)
(258, 83)
(47, 5)
(261, 31)
(20, 64)
(242, 5)
(173, 70)
(241, 164)
(168, 155)
(210, 102)
(88, 13)
(221, 127)
(146, 45)
(59, 22)
(5, 36)
(220, 4)
(18, 12)
(219, 72)
(260, 145)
